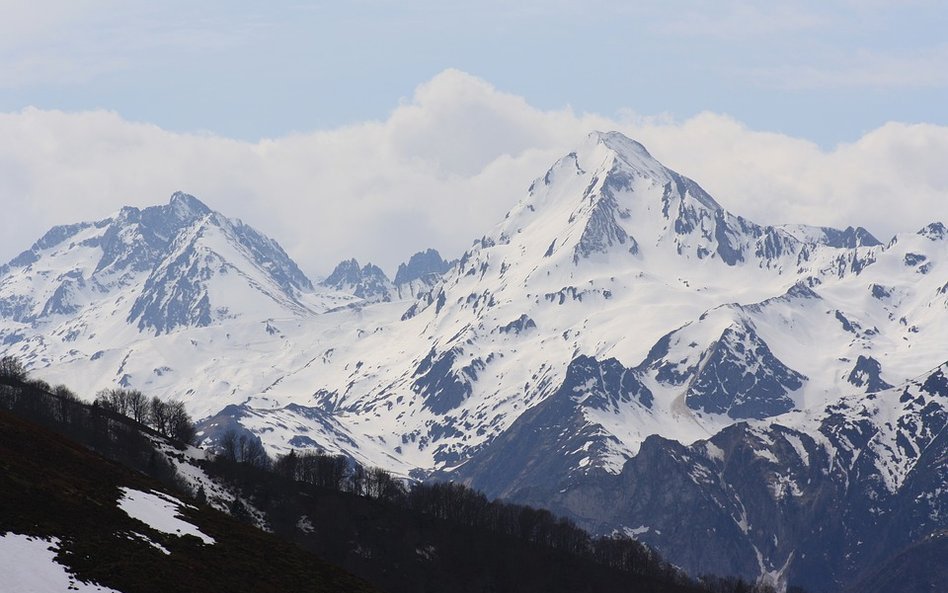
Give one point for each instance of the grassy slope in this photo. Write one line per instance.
(52, 487)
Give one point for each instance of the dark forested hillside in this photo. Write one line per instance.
(56, 481)
(52, 487)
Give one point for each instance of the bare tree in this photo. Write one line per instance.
(114, 399)
(180, 425)
(357, 480)
(158, 415)
(138, 406)
(230, 446)
(12, 369)
(252, 451)
(67, 400)
(243, 448)
(381, 485)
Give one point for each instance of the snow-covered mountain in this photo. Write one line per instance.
(174, 260)
(818, 499)
(616, 306)
(99, 291)
(420, 273)
(367, 282)
(413, 278)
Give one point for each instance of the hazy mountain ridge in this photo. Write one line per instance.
(167, 260)
(412, 279)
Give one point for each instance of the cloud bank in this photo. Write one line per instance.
(442, 169)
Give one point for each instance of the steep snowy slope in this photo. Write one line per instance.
(92, 295)
(608, 253)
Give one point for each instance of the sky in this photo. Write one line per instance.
(375, 128)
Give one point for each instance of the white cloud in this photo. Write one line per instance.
(442, 169)
(889, 181)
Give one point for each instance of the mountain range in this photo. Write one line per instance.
(767, 401)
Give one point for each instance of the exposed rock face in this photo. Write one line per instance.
(421, 273)
(163, 259)
(368, 282)
(742, 378)
(816, 509)
(413, 279)
(867, 373)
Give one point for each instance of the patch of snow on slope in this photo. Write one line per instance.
(142, 537)
(187, 464)
(28, 565)
(160, 512)
(798, 446)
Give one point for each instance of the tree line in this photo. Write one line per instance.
(116, 424)
(166, 417)
(456, 504)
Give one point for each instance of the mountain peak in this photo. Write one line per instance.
(618, 195)
(628, 151)
(368, 282)
(187, 206)
(848, 238)
(164, 261)
(422, 264)
(621, 144)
